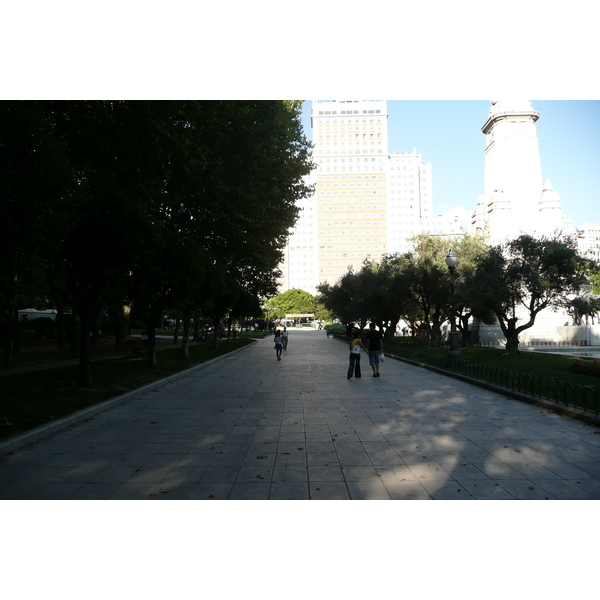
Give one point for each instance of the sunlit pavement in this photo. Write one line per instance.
(251, 427)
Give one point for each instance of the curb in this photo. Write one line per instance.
(34, 435)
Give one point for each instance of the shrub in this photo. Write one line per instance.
(585, 367)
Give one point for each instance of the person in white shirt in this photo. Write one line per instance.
(284, 338)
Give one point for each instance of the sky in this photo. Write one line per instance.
(447, 134)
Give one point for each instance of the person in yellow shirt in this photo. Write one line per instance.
(355, 347)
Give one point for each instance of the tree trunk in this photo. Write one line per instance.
(390, 332)
(85, 362)
(150, 323)
(512, 345)
(9, 344)
(74, 334)
(122, 326)
(463, 327)
(176, 331)
(509, 329)
(185, 346)
(95, 330)
(12, 323)
(60, 325)
(216, 330)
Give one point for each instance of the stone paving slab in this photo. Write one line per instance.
(248, 427)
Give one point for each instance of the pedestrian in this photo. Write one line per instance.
(375, 339)
(355, 346)
(327, 331)
(284, 337)
(278, 344)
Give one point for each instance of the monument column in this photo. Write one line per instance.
(513, 172)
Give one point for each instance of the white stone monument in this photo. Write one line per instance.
(516, 199)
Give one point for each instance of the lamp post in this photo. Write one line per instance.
(454, 353)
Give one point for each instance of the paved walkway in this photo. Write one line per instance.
(250, 427)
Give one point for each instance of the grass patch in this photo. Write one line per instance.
(550, 366)
(33, 399)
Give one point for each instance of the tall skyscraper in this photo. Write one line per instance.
(351, 154)
(367, 202)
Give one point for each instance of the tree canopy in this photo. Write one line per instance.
(294, 301)
(509, 284)
(181, 205)
(519, 279)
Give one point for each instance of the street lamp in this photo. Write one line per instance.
(454, 354)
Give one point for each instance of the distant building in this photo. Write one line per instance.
(588, 241)
(367, 203)
(351, 153)
(452, 223)
(410, 202)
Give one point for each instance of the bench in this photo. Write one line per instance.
(136, 345)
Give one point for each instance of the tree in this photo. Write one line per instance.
(585, 306)
(126, 195)
(468, 249)
(116, 151)
(347, 299)
(322, 313)
(390, 301)
(294, 301)
(34, 182)
(595, 278)
(428, 284)
(519, 279)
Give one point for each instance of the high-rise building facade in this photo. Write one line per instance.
(351, 154)
(409, 201)
(367, 202)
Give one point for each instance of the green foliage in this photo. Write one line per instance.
(585, 367)
(294, 301)
(527, 275)
(594, 272)
(490, 283)
(183, 205)
(337, 329)
(584, 307)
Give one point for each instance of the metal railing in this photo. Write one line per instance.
(583, 397)
(532, 344)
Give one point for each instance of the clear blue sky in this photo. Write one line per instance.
(447, 133)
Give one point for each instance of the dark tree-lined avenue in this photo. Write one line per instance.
(161, 205)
